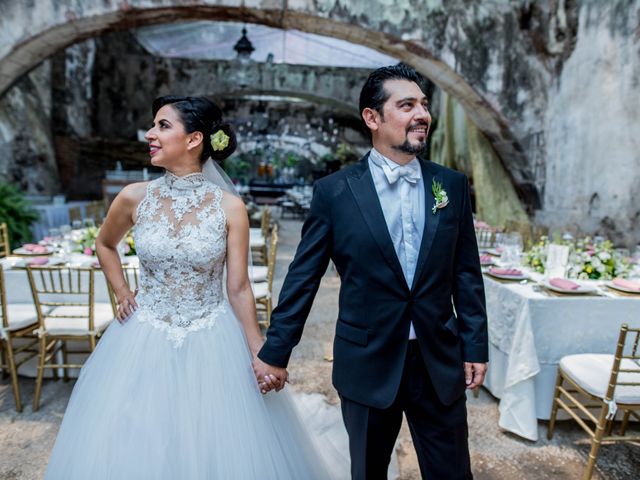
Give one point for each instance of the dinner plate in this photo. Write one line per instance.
(582, 289)
(52, 261)
(515, 278)
(613, 286)
(25, 252)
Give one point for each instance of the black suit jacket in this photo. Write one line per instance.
(346, 224)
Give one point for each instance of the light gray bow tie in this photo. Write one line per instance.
(411, 173)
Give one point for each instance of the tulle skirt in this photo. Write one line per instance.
(144, 409)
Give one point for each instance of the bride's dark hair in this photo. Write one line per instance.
(199, 114)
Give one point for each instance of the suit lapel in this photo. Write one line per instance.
(430, 221)
(364, 191)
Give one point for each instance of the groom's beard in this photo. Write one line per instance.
(413, 148)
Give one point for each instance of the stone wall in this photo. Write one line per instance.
(127, 79)
(553, 85)
(27, 154)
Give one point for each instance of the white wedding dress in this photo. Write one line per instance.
(171, 393)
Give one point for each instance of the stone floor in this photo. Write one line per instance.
(27, 438)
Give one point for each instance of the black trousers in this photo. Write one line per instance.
(439, 432)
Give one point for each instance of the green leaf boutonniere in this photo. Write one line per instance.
(440, 194)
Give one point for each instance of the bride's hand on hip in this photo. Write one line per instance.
(126, 304)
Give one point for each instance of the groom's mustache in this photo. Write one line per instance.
(417, 125)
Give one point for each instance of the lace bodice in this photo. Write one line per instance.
(180, 237)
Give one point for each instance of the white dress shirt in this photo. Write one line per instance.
(402, 197)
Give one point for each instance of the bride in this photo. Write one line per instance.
(169, 393)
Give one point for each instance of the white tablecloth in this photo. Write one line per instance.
(52, 216)
(19, 291)
(529, 331)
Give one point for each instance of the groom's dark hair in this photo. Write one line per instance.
(373, 95)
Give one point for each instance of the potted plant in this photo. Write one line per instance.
(17, 213)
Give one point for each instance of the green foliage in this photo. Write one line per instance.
(238, 167)
(17, 213)
(346, 155)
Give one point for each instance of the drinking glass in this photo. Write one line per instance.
(89, 222)
(76, 224)
(557, 260)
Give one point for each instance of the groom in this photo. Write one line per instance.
(411, 330)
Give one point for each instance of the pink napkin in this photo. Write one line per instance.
(513, 272)
(29, 247)
(38, 261)
(39, 249)
(486, 259)
(628, 284)
(564, 284)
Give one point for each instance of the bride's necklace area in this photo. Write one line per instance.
(190, 181)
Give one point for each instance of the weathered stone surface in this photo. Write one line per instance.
(457, 143)
(127, 79)
(525, 71)
(27, 157)
(591, 127)
(402, 31)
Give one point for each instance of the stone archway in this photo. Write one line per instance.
(54, 25)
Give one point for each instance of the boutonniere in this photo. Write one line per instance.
(440, 194)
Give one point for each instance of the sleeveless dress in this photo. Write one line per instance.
(171, 393)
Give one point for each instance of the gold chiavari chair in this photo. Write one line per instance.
(95, 211)
(132, 277)
(604, 382)
(258, 238)
(262, 291)
(18, 322)
(5, 249)
(75, 214)
(64, 301)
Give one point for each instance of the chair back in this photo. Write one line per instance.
(62, 286)
(132, 277)
(75, 214)
(5, 249)
(627, 349)
(96, 211)
(3, 302)
(271, 263)
(265, 221)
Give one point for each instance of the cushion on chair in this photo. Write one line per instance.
(255, 242)
(103, 315)
(20, 315)
(592, 372)
(260, 290)
(258, 273)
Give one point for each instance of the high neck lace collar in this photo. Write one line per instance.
(186, 182)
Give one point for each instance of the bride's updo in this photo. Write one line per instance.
(199, 114)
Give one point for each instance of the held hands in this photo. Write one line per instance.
(126, 303)
(268, 376)
(474, 374)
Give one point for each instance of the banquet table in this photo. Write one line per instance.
(19, 292)
(53, 216)
(531, 329)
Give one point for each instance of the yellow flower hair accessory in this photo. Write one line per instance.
(219, 141)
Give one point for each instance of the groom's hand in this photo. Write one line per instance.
(474, 374)
(268, 376)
